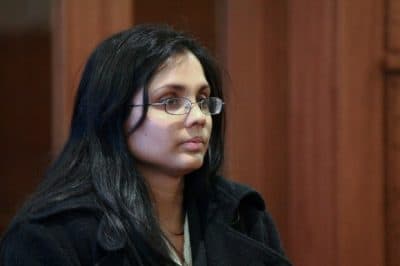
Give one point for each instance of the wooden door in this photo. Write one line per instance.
(25, 86)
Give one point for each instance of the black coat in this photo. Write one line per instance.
(230, 228)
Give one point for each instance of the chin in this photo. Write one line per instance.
(192, 163)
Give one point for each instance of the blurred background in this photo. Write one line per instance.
(313, 102)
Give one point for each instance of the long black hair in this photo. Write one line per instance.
(96, 160)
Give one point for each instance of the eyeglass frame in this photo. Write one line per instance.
(187, 101)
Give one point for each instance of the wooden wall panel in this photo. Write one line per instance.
(78, 26)
(393, 26)
(312, 133)
(336, 132)
(360, 155)
(256, 59)
(196, 17)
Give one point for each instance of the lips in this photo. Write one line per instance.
(194, 144)
(196, 140)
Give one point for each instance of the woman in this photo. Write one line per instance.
(137, 183)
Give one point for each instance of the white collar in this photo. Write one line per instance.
(187, 252)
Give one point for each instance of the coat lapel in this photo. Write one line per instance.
(226, 246)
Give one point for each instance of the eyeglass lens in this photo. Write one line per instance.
(212, 105)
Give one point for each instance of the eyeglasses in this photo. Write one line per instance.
(181, 105)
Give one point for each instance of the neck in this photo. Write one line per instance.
(167, 196)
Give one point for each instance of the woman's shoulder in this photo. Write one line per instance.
(75, 216)
(64, 230)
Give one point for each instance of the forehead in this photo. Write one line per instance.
(180, 70)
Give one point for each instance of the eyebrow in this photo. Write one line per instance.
(180, 87)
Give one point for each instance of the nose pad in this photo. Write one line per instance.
(188, 107)
(195, 105)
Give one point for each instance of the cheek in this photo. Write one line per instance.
(140, 144)
(209, 125)
(151, 138)
(133, 118)
(133, 138)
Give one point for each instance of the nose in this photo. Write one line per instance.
(195, 116)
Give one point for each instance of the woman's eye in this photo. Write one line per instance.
(163, 100)
(166, 99)
(202, 97)
(172, 101)
(173, 104)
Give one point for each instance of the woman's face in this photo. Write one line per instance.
(170, 144)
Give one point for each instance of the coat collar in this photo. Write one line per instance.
(210, 220)
(226, 197)
(218, 242)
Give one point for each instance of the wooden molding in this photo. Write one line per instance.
(392, 62)
(393, 170)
